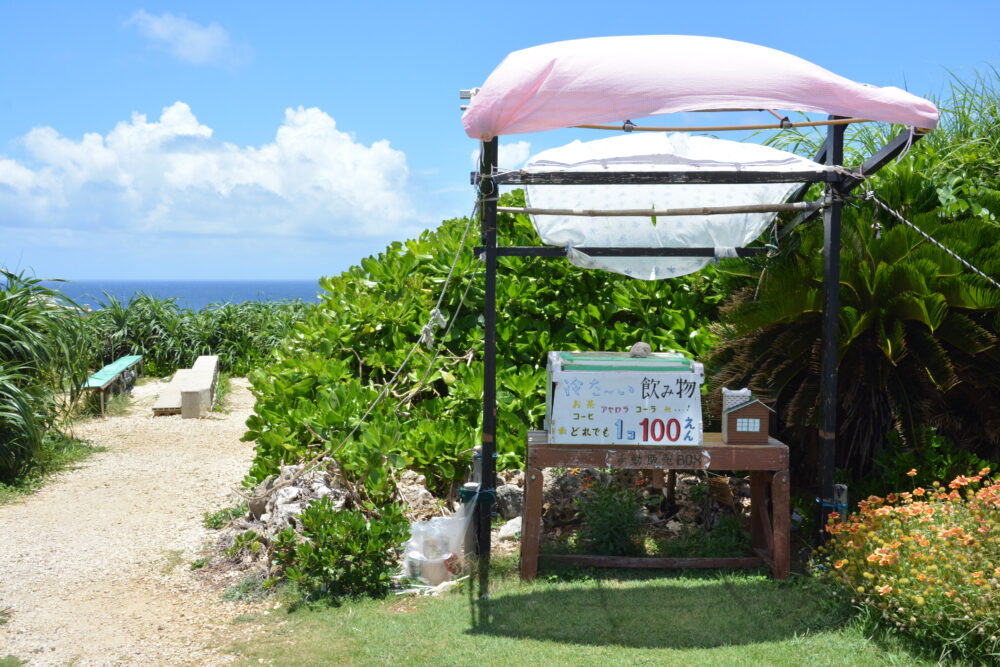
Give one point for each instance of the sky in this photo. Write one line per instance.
(252, 140)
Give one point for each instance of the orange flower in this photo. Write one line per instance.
(913, 472)
(984, 472)
(882, 590)
(919, 491)
(950, 594)
(840, 563)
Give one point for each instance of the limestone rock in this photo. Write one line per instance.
(510, 500)
(515, 477)
(510, 530)
(640, 350)
(419, 503)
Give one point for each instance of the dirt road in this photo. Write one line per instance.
(95, 567)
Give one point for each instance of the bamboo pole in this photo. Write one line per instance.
(726, 128)
(665, 212)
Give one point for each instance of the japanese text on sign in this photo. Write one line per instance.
(626, 408)
(688, 458)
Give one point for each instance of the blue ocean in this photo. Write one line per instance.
(191, 294)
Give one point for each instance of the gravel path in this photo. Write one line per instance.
(95, 567)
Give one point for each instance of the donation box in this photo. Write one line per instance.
(611, 398)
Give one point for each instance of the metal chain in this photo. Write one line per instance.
(870, 195)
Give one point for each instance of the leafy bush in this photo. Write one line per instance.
(612, 521)
(926, 562)
(341, 554)
(345, 351)
(938, 459)
(219, 519)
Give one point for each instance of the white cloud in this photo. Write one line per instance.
(188, 41)
(512, 155)
(173, 176)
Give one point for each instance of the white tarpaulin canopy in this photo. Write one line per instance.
(657, 152)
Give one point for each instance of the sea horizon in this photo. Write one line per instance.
(190, 294)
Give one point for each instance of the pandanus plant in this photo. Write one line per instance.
(40, 335)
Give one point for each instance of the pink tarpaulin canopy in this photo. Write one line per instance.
(611, 79)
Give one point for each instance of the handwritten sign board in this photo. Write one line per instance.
(612, 399)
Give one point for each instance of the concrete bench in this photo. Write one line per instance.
(191, 392)
(119, 374)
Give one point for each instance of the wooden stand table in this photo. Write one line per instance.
(768, 465)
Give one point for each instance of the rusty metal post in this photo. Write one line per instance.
(831, 310)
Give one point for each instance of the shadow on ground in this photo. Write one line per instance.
(690, 612)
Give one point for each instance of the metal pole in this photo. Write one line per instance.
(666, 212)
(488, 223)
(831, 310)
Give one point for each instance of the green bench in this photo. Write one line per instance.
(113, 375)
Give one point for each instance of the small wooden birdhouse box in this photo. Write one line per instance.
(744, 418)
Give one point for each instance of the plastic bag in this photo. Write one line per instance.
(435, 551)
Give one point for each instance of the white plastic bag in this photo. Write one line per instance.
(435, 551)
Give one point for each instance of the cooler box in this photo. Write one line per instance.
(610, 398)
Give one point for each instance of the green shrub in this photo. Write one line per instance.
(341, 554)
(346, 349)
(938, 459)
(612, 521)
(926, 563)
(219, 519)
(247, 542)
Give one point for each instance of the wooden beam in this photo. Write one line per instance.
(632, 127)
(658, 563)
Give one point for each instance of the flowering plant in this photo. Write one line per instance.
(927, 562)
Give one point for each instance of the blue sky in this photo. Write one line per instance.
(266, 140)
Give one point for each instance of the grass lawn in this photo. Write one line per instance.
(595, 618)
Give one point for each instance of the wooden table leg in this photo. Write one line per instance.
(781, 509)
(531, 522)
(760, 523)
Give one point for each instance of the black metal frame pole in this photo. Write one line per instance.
(831, 309)
(488, 224)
